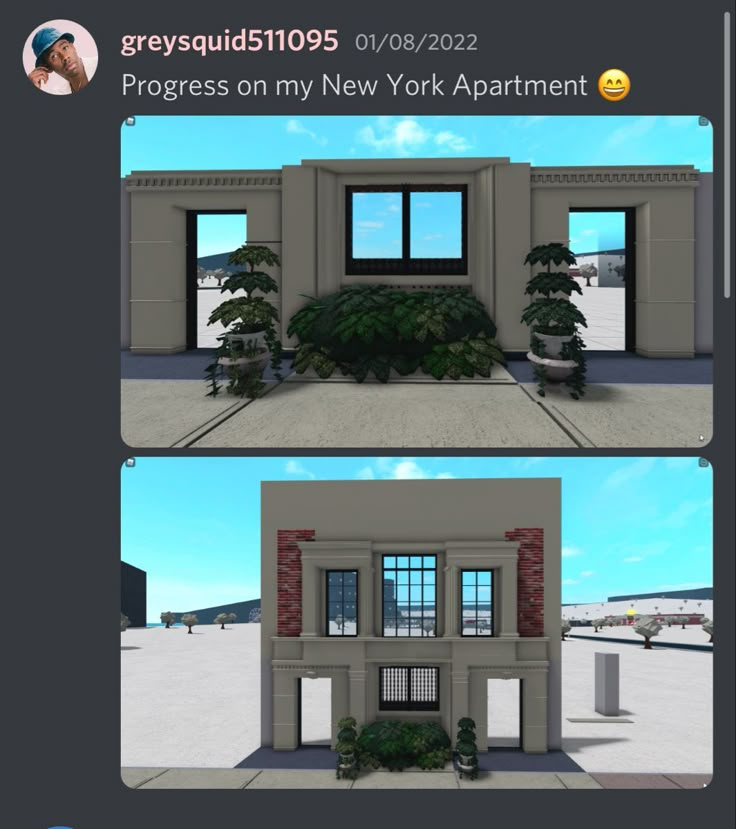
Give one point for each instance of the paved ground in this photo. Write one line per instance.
(157, 778)
(604, 311)
(167, 413)
(193, 702)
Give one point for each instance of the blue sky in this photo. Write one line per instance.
(170, 142)
(629, 525)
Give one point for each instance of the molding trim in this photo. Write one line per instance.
(204, 180)
(664, 176)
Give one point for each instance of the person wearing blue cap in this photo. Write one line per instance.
(56, 55)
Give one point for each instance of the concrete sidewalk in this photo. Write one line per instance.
(462, 415)
(149, 778)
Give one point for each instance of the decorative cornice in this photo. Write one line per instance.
(204, 180)
(301, 667)
(676, 176)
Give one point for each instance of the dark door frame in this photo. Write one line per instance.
(191, 266)
(630, 272)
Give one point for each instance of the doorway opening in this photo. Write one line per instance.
(504, 713)
(212, 235)
(315, 712)
(603, 241)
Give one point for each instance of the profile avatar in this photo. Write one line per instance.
(56, 55)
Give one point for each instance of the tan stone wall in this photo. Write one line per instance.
(355, 520)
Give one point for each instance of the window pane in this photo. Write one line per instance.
(429, 577)
(436, 225)
(469, 578)
(484, 577)
(402, 561)
(377, 223)
(429, 561)
(350, 579)
(389, 562)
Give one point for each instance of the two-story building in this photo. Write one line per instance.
(411, 596)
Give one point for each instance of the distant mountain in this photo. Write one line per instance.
(217, 260)
(206, 616)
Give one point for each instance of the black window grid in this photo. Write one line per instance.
(341, 600)
(471, 607)
(392, 580)
(415, 688)
(406, 265)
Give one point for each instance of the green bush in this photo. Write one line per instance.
(366, 329)
(396, 745)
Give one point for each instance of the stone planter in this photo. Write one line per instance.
(557, 369)
(247, 365)
(257, 338)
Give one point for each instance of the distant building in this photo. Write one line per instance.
(133, 594)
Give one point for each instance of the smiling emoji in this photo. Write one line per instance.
(614, 84)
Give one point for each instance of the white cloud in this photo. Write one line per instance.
(444, 475)
(586, 574)
(632, 559)
(366, 225)
(430, 237)
(528, 463)
(401, 137)
(625, 474)
(295, 468)
(366, 474)
(407, 136)
(452, 141)
(570, 581)
(297, 128)
(569, 552)
(631, 132)
(399, 469)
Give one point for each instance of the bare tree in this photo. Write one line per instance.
(190, 620)
(647, 628)
(708, 627)
(598, 623)
(221, 618)
(168, 617)
(566, 627)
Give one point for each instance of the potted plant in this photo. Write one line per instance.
(251, 340)
(467, 750)
(347, 737)
(556, 348)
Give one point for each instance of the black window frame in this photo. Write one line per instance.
(411, 679)
(406, 265)
(475, 634)
(328, 573)
(396, 583)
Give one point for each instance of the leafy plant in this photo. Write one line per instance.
(189, 620)
(246, 315)
(168, 618)
(374, 329)
(553, 315)
(347, 737)
(466, 747)
(396, 745)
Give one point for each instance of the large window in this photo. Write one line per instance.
(477, 603)
(342, 603)
(409, 689)
(409, 595)
(406, 229)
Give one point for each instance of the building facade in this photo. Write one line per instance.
(305, 214)
(411, 597)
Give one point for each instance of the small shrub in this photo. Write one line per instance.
(366, 329)
(397, 745)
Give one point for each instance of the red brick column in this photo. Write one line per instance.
(530, 580)
(289, 581)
